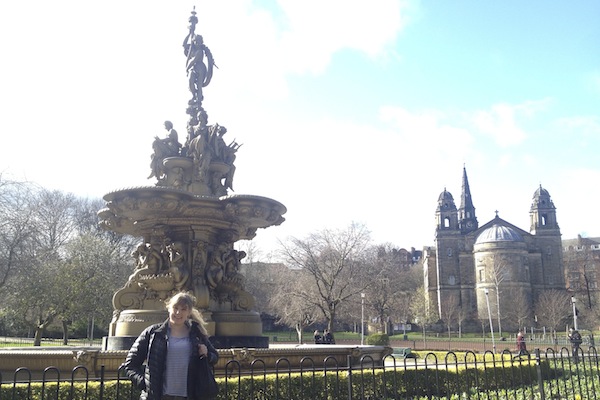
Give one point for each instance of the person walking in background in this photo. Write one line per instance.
(576, 340)
(521, 345)
(173, 351)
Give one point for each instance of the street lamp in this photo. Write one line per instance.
(487, 299)
(362, 319)
(573, 301)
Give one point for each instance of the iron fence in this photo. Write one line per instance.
(547, 374)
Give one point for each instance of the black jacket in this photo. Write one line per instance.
(151, 348)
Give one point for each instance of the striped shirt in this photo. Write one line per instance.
(176, 366)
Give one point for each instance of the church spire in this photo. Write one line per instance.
(466, 212)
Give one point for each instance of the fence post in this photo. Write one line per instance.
(101, 382)
(538, 367)
(349, 362)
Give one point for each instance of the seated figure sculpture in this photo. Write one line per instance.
(163, 148)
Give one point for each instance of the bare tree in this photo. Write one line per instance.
(331, 263)
(261, 280)
(500, 272)
(450, 310)
(421, 309)
(288, 301)
(519, 308)
(461, 317)
(553, 308)
(393, 281)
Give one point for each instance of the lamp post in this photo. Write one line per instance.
(362, 319)
(487, 299)
(573, 301)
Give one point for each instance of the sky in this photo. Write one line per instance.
(348, 111)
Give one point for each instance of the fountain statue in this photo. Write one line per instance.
(188, 224)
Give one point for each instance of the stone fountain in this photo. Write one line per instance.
(188, 223)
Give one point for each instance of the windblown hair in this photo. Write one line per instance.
(186, 299)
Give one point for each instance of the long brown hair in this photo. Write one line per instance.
(186, 299)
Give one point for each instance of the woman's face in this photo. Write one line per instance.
(178, 314)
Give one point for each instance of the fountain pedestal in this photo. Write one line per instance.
(187, 246)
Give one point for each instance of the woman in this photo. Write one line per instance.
(175, 352)
(521, 346)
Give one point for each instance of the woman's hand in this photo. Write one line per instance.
(202, 350)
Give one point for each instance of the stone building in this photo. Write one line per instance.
(512, 265)
(582, 263)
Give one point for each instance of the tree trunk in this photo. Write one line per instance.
(299, 332)
(37, 339)
(498, 306)
(39, 329)
(330, 321)
(65, 328)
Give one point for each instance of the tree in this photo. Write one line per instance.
(392, 283)
(519, 308)
(93, 269)
(450, 313)
(553, 308)
(421, 309)
(331, 265)
(290, 308)
(71, 264)
(17, 232)
(500, 272)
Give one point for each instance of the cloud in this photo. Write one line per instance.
(319, 28)
(502, 122)
(586, 125)
(429, 130)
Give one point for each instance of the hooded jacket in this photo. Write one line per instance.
(151, 348)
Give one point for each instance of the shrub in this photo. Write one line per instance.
(378, 339)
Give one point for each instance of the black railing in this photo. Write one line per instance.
(542, 375)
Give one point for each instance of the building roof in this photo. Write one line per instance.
(499, 233)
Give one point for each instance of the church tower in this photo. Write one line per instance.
(448, 240)
(543, 213)
(446, 213)
(548, 272)
(466, 213)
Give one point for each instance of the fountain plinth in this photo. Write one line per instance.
(188, 224)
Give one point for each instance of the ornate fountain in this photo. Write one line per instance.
(188, 224)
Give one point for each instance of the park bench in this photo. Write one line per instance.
(403, 352)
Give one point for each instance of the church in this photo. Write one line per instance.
(496, 262)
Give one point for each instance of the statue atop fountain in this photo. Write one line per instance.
(188, 224)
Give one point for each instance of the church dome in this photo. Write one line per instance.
(540, 192)
(541, 199)
(446, 201)
(499, 233)
(446, 196)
